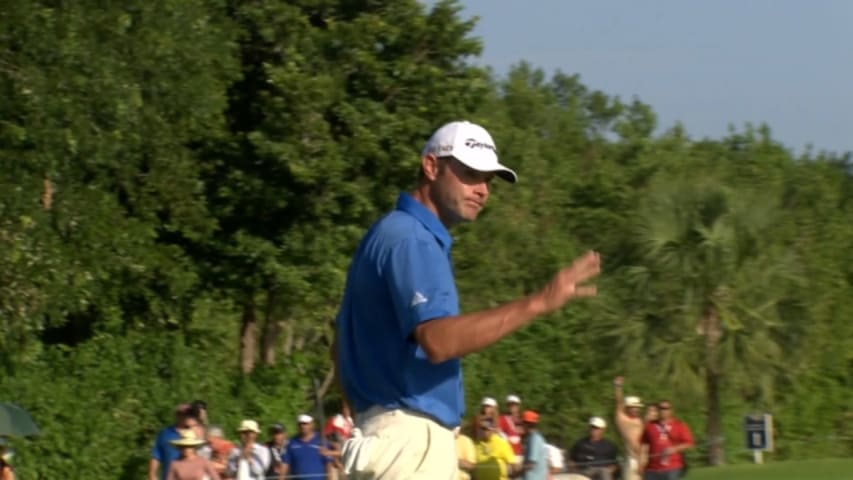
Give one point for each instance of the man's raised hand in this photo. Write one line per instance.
(568, 283)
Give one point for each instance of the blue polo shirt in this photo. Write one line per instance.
(163, 451)
(303, 457)
(401, 276)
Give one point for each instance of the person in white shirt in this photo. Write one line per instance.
(250, 460)
(556, 463)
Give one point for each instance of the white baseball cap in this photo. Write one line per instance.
(633, 402)
(597, 422)
(489, 402)
(513, 399)
(304, 419)
(471, 144)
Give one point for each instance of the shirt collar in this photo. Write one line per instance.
(408, 204)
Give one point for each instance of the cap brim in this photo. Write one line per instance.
(508, 175)
(498, 169)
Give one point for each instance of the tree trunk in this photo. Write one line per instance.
(713, 334)
(272, 330)
(248, 338)
(327, 383)
(47, 193)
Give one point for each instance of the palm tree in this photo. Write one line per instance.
(705, 293)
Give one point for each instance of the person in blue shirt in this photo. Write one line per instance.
(399, 333)
(535, 463)
(304, 456)
(163, 452)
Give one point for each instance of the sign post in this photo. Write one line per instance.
(759, 435)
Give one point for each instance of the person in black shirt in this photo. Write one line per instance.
(277, 445)
(594, 456)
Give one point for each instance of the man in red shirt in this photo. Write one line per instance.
(666, 438)
(509, 424)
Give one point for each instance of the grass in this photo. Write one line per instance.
(835, 469)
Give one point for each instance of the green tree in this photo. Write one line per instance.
(706, 305)
(325, 127)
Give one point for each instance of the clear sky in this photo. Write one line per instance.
(708, 64)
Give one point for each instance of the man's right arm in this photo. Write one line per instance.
(618, 399)
(453, 337)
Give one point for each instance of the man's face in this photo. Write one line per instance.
(194, 425)
(247, 437)
(665, 410)
(459, 192)
(306, 428)
(488, 410)
(596, 433)
(513, 408)
(279, 438)
(633, 412)
(652, 413)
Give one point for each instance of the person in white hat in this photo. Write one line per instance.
(510, 424)
(305, 457)
(594, 455)
(489, 408)
(190, 466)
(250, 460)
(629, 423)
(399, 334)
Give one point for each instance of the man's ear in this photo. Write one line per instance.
(430, 166)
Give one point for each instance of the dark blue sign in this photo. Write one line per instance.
(758, 429)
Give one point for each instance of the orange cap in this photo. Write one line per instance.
(529, 416)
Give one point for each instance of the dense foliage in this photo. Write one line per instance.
(182, 184)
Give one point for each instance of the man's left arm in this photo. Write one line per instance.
(613, 457)
(683, 439)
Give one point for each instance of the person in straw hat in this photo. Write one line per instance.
(190, 466)
(250, 460)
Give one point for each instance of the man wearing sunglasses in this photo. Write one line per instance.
(400, 335)
(666, 438)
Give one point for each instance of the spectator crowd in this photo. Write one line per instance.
(493, 445)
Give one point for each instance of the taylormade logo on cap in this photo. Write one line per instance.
(472, 145)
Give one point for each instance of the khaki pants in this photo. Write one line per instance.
(399, 445)
(632, 470)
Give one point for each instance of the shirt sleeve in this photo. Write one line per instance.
(574, 453)
(684, 434)
(506, 452)
(537, 452)
(233, 460)
(156, 451)
(420, 281)
(469, 453)
(323, 458)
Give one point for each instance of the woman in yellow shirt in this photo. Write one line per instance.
(495, 458)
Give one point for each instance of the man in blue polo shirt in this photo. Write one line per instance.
(399, 332)
(304, 456)
(163, 453)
